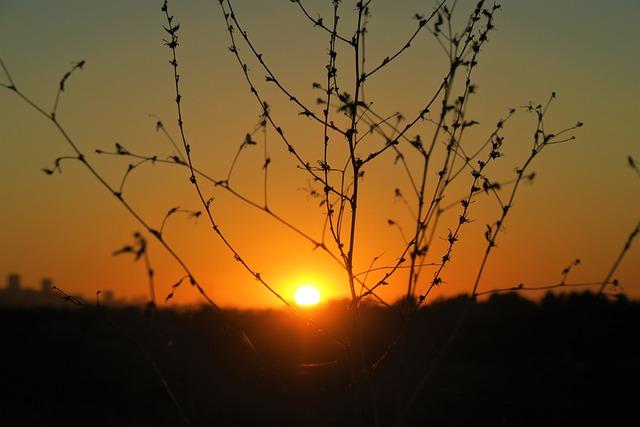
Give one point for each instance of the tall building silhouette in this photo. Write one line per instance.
(46, 285)
(13, 282)
(17, 294)
(14, 294)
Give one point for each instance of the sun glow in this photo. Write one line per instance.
(307, 295)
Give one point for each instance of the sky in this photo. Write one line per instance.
(583, 203)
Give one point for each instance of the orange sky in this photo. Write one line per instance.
(583, 204)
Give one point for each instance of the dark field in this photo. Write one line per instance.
(570, 360)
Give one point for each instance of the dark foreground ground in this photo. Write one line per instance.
(571, 360)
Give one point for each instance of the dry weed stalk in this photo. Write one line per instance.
(360, 135)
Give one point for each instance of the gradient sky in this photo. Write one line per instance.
(583, 204)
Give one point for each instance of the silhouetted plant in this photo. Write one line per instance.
(355, 137)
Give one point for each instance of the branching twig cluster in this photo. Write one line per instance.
(430, 146)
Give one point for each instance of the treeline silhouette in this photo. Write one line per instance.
(565, 360)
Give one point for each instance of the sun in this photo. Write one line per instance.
(307, 295)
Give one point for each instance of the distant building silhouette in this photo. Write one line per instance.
(108, 297)
(13, 282)
(46, 286)
(14, 294)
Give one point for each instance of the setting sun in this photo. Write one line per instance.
(307, 295)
